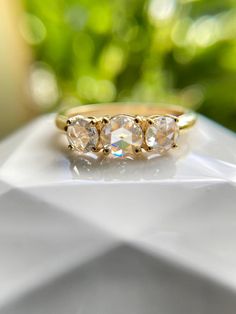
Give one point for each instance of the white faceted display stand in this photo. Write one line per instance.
(94, 236)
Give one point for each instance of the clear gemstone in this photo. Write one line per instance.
(121, 135)
(82, 135)
(162, 134)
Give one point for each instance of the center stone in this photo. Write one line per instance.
(121, 135)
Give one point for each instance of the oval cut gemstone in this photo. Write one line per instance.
(82, 135)
(121, 135)
(162, 134)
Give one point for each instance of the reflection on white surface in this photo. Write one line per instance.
(84, 234)
(155, 168)
(104, 169)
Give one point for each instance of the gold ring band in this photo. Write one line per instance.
(124, 129)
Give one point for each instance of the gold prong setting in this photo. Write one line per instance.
(70, 147)
(138, 120)
(105, 120)
(137, 151)
(150, 121)
(122, 135)
(106, 151)
(92, 121)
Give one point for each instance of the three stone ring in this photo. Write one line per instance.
(124, 130)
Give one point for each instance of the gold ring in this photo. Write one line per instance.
(124, 129)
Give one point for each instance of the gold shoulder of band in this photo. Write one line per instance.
(186, 118)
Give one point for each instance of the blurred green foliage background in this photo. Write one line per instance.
(134, 50)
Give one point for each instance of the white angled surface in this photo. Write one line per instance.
(90, 235)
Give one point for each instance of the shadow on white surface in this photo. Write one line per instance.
(127, 281)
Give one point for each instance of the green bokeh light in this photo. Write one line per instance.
(139, 50)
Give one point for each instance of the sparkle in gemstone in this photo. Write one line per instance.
(82, 135)
(162, 134)
(121, 135)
